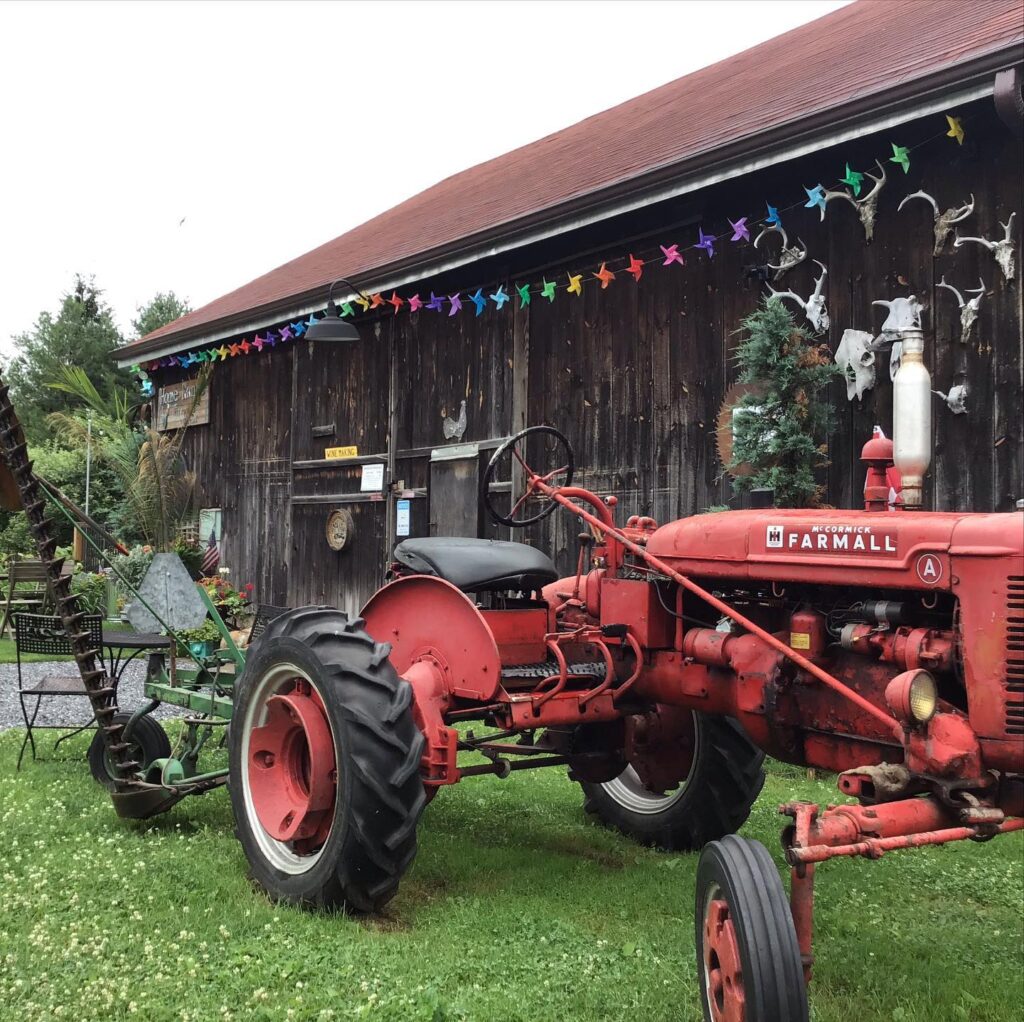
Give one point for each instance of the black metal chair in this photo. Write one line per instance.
(265, 613)
(43, 634)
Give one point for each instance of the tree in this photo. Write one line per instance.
(83, 334)
(149, 465)
(162, 308)
(783, 434)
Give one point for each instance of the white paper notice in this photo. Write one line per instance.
(373, 477)
(402, 518)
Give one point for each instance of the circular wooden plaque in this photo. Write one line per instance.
(340, 529)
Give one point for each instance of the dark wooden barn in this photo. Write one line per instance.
(633, 373)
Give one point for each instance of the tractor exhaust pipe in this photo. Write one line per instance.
(912, 397)
(912, 418)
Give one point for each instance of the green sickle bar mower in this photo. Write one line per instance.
(140, 785)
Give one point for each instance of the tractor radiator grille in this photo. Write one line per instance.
(1015, 655)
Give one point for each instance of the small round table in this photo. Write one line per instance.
(134, 644)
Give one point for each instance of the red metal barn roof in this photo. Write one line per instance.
(860, 58)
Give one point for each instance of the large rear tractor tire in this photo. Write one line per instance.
(718, 778)
(324, 760)
(748, 958)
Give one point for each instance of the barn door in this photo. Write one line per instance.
(455, 490)
(340, 472)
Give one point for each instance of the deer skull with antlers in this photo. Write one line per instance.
(968, 309)
(866, 206)
(943, 221)
(1002, 249)
(790, 256)
(814, 307)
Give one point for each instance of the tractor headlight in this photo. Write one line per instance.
(913, 697)
(924, 697)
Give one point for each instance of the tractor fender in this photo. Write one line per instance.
(423, 617)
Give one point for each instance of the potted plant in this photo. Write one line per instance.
(230, 602)
(199, 642)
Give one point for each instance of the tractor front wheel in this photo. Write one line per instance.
(324, 764)
(695, 782)
(748, 959)
(148, 740)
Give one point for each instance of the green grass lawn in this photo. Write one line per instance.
(8, 654)
(516, 908)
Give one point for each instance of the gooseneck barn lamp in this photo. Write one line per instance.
(332, 327)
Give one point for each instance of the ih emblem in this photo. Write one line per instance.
(774, 540)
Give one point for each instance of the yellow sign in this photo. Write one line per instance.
(341, 452)
(799, 640)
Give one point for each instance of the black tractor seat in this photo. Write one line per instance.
(478, 565)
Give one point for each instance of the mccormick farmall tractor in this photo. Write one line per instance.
(887, 647)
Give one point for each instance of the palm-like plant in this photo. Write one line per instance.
(158, 484)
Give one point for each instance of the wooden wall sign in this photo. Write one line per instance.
(174, 401)
(340, 529)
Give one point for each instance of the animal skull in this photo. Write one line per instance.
(956, 399)
(904, 314)
(857, 359)
(790, 256)
(968, 309)
(867, 205)
(1002, 249)
(814, 307)
(943, 221)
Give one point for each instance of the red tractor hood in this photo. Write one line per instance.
(906, 548)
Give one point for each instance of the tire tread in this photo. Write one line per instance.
(381, 746)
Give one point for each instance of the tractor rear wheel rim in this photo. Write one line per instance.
(723, 967)
(631, 793)
(289, 775)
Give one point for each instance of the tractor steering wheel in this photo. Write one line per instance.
(511, 448)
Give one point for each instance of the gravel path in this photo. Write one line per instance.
(63, 710)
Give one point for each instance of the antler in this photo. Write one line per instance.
(789, 256)
(968, 309)
(949, 287)
(943, 221)
(919, 195)
(786, 294)
(990, 245)
(768, 229)
(976, 290)
(960, 240)
(956, 215)
(841, 194)
(820, 282)
(1001, 249)
(879, 182)
(867, 205)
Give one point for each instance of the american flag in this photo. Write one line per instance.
(211, 556)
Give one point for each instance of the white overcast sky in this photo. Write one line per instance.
(270, 128)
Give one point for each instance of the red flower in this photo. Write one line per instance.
(249, 587)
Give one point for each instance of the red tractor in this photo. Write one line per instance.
(885, 647)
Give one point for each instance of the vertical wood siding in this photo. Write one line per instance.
(634, 375)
